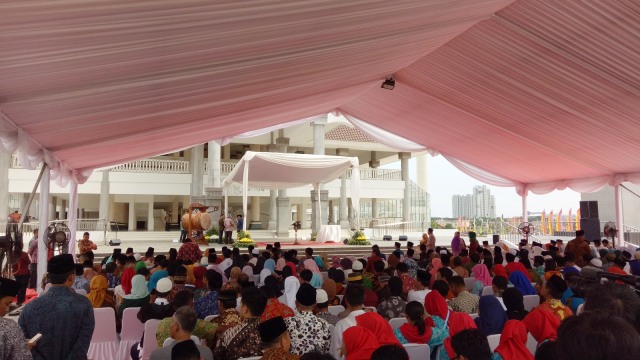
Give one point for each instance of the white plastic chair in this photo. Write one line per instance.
(169, 341)
(104, 342)
(340, 297)
(417, 351)
(81, 292)
(336, 309)
(530, 301)
(494, 341)
(210, 317)
(487, 290)
(150, 341)
(473, 316)
(532, 343)
(469, 282)
(371, 308)
(397, 322)
(131, 333)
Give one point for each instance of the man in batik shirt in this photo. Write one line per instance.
(243, 340)
(12, 342)
(308, 332)
(276, 340)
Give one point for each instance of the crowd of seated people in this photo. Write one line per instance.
(276, 304)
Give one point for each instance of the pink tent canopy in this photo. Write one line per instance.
(540, 95)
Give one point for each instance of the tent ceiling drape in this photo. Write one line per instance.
(537, 94)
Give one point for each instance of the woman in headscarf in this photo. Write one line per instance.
(513, 343)
(335, 262)
(456, 244)
(339, 278)
(514, 303)
(483, 278)
(274, 307)
(416, 331)
(491, 316)
(270, 264)
(379, 327)
(248, 270)
(358, 343)
(98, 293)
(517, 266)
(499, 270)
(445, 321)
(316, 279)
(346, 264)
(436, 264)
(280, 264)
(522, 283)
(139, 295)
(198, 275)
(233, 279)
(291, 286)
(329, 287)
(263, 276)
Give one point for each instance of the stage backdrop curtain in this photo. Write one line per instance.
(282, 171)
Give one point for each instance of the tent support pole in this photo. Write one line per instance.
(619, 216)
(33, 193)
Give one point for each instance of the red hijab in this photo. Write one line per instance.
(542, 324)
(359, 343)
(379, 327)
(498, 270)
(198, 274)
(518, 266)
(513, 342)
(435, 305)
(457, 322)
(410, 332)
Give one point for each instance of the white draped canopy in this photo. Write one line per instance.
(281, 171)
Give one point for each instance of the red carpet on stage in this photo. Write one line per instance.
(301, 243)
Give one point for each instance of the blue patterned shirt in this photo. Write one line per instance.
(65, 320)
(207, 305)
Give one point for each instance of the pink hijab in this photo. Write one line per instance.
(436, 263)
(310, 264)
(482, 274)
(280, 264)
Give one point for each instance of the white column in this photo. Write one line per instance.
(197, 159)
(374, 164)
(103, 210)
(254, 213)
(619, 214)
(132, 215)
(318, 134)
(73, 216)
(5, 164)
(525, 215)
(150, 220)
(273, 209)
(406, 201)
(283, 205)
(213, 164)
(226, 152)
(344, 212)
(44, 216)
(53, 206)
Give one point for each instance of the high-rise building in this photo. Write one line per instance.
(479, 204)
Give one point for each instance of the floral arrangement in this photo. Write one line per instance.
(211, 235)
(358, 238)
(244, 240)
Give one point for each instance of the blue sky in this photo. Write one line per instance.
(445, 180)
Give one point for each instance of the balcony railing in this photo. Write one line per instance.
(170, 166)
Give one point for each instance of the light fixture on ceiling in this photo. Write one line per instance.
(389, 84)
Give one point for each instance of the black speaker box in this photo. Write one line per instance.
(496, 239)
(402, 238)
(591, 228)
(589, 210)
(114, 242)
(386, 238)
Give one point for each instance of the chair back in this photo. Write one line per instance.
(532, 343)
(336, 309)
(210, 317)
(469, 282)
(371, 308)
(417, 351)
(81, 292)
(473, 316)
(487, 290)
(530, 301)
(104, 341)
(132, 328)
(150, 341)
(494, 341)
(397, 322)
(340, 297)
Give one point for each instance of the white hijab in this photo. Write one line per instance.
(291, 286)
(263, 275)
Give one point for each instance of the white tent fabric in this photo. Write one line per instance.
(282, 170)
(541, 94)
